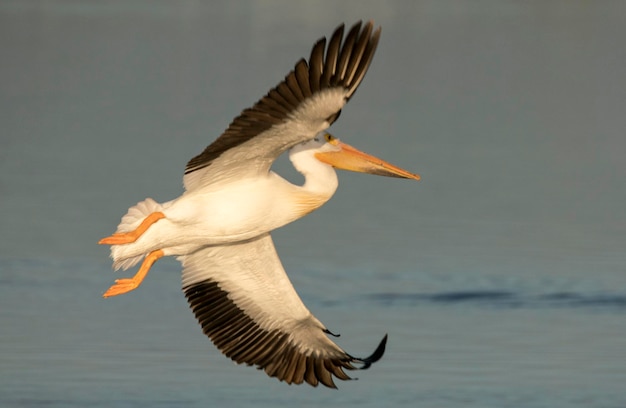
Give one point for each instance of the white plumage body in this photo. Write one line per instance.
(230, 212)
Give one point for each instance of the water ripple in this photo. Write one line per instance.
(503, 299)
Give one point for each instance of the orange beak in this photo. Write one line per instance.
(349, 158)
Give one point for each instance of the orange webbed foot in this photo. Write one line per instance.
(120, 238)
(121, 286)
(125, 285)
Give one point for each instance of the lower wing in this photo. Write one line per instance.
(247, 306)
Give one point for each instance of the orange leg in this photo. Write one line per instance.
(122, 286)
(127, 237)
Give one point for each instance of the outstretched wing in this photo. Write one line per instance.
(306, 102)
(247, 306)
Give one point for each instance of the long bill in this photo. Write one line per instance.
(352, 159)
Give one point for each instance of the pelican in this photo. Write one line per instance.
(219, 228)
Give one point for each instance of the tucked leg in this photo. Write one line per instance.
(120, 238)
(122, 286)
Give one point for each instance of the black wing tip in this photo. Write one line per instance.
(374, 357)
(331, 333)
(362, 29)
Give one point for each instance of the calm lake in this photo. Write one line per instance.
(500, 277)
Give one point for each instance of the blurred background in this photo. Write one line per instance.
(500, 276)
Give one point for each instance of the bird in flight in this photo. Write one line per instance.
(219, 228)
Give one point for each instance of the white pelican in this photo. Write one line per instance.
(220, 226)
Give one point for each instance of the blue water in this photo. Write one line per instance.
(500, 277)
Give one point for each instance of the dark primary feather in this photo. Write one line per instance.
(239, 337)
(343, 66)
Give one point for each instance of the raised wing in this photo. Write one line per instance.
(306, 102)
(247, 306)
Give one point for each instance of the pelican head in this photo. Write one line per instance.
(327, 149)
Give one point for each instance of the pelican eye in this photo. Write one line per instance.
(330, 139)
